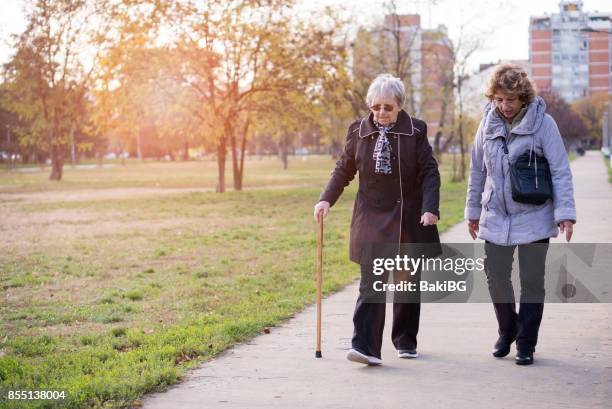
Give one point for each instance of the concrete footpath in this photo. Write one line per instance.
(455, 369)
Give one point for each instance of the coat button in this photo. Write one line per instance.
(393, 157)
(398, 201)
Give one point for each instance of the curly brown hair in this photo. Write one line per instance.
(511, 79)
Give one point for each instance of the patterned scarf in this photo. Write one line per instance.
(382, 150)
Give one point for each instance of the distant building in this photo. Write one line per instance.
(437, 79)
(424, 60)
(568, 59)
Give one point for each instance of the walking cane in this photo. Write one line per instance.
(319, 279)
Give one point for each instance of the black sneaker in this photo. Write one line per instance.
(407, 353)
(524, 357)
(502, 348)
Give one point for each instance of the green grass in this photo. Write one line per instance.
(109, 299)
(259, 171)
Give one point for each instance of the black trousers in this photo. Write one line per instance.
(525, 325)
(369, 315)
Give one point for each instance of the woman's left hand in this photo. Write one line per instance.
(568, 227)
(428, 219)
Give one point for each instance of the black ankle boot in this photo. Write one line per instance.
(524, 357)
(502, 348)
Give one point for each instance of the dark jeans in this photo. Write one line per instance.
(525, 325)
(369, 315)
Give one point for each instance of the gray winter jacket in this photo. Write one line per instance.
(489, 198)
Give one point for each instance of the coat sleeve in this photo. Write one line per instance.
(563, 187)
(344, 172)
(478, 176)
(428, 174)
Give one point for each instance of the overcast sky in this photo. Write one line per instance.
(502, 23)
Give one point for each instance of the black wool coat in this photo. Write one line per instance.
(387, 208)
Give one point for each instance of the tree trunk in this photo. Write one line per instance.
(238, 155)
(283, 150)
(336, 149)
(10, 148)
(454, 179)
(41, 159)
(436, 148)
(438, 137)
(448, 141)
(461, 150)
(73, 158)
(57, 163)
(230, 132)
(185, 151)
(221, 153)
(285, 160)
(461, 137)
(242, 154)
(138, 145)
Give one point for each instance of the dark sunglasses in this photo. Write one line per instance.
(385, 107)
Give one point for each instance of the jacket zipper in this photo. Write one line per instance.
(399, 173)
(505, 153)
(503, 188)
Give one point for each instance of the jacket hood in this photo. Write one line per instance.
(532, 121)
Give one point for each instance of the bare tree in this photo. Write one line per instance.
(461, 52)
(437, 94)
(571, 126)
(238, 55)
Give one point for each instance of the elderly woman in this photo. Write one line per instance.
(515, 123)
(397, 202)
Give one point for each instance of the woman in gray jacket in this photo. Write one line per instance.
(516, 116)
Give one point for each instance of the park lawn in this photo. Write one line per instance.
(110, 299)
(259, 171)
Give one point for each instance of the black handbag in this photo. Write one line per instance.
(531, 178)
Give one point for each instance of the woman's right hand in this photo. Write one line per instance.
(322, 206)
(473, 226)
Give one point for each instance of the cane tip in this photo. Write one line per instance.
(318, 354)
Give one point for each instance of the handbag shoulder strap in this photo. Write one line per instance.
(505, 144)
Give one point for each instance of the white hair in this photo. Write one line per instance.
(386, 85)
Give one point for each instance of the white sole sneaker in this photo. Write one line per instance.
(356, 356)
(407, 354)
